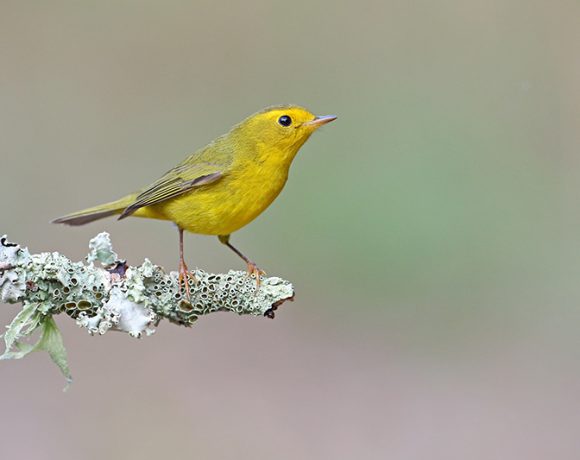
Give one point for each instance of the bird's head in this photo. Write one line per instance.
(282, 128)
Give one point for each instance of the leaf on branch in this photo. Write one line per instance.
(23, 326)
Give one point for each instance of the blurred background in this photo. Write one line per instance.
(432, 231)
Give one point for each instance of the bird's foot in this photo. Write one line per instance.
(253, 269)
(184, 277)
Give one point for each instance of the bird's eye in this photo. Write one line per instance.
(285, 120)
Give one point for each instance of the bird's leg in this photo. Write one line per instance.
(253, 269)
(184, 274)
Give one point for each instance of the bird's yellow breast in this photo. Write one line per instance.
(227, 205)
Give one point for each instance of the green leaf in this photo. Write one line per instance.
(20, 350)
(22, 325)
(50, 340)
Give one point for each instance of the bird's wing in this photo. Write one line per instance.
(181, 179)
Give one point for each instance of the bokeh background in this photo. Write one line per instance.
(432, 231)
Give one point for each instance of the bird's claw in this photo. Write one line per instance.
(184, 277)
(253, 269)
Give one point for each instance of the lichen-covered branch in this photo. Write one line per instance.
(105, 294)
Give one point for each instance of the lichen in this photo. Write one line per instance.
(101, 250)
(12, 279)
(106, 294)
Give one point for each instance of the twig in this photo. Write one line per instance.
(114, 296)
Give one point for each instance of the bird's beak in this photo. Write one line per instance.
(319, 121)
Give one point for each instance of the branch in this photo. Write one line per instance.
(114, 296)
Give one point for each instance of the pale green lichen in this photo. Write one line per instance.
(115, 296)
(101, 250)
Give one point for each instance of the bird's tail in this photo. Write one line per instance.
(98, 212)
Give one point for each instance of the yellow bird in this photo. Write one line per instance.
(223, 186)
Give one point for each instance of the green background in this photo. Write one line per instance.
(432, 231)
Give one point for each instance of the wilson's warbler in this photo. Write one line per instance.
(223, 186)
